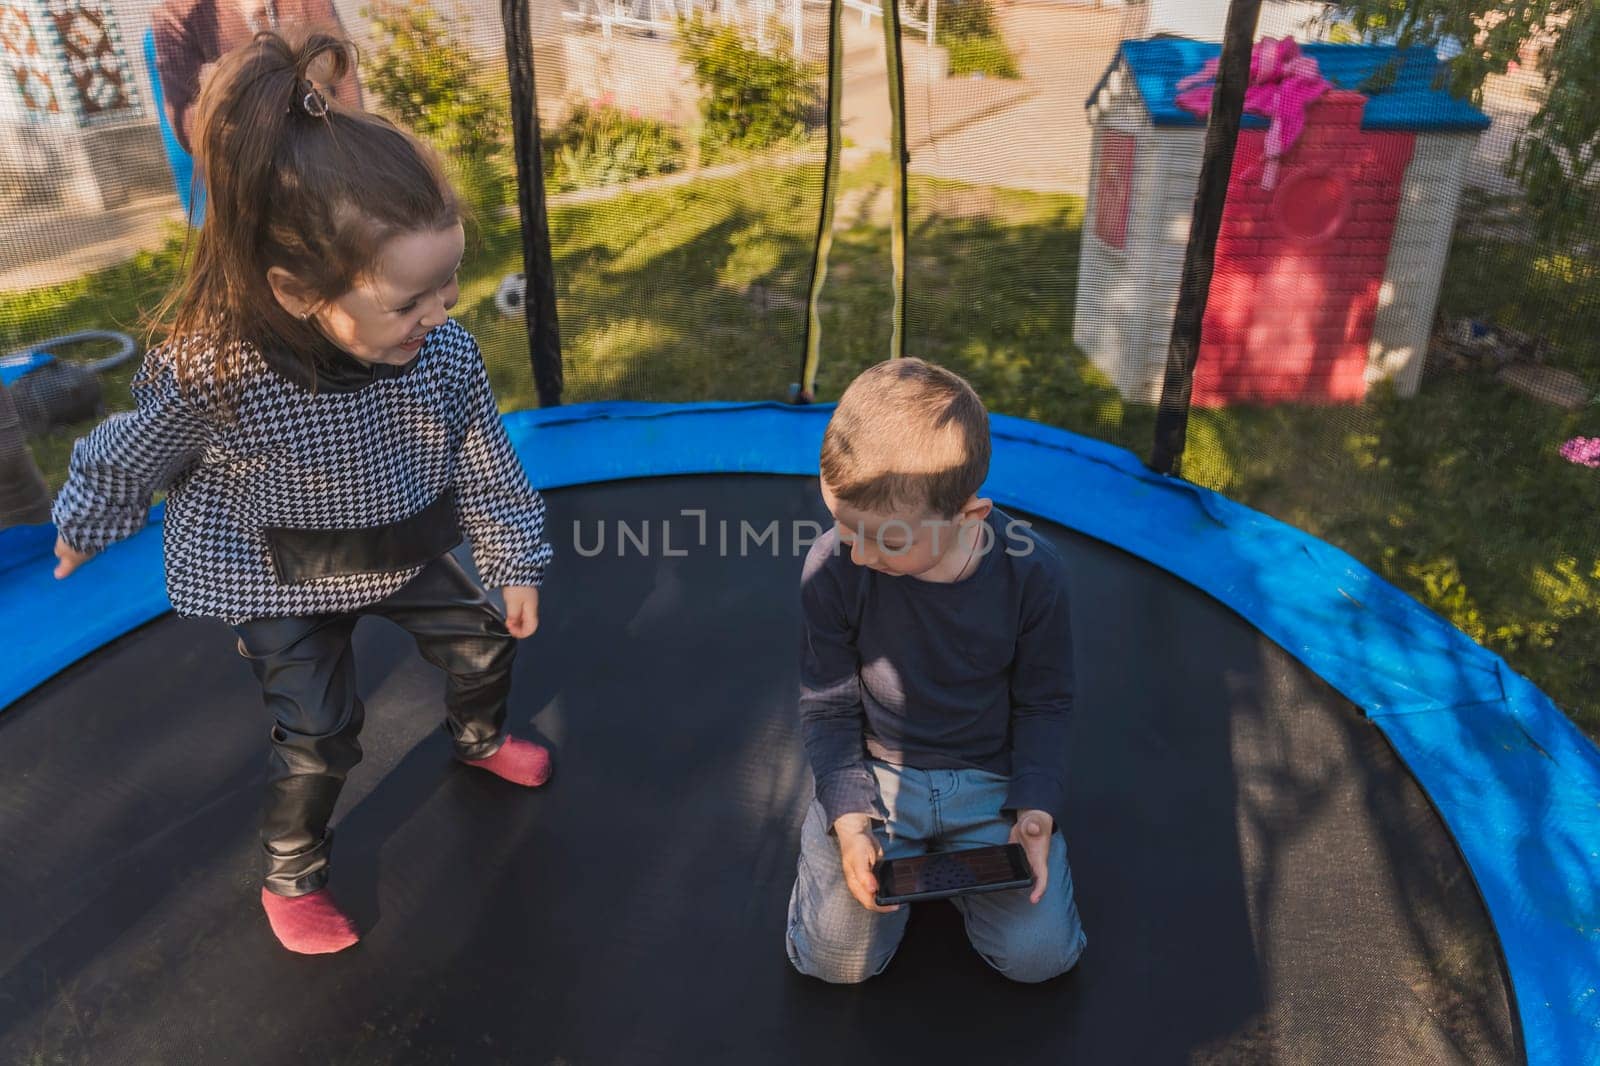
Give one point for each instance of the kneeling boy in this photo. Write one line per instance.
(936, 684)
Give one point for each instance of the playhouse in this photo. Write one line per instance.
(1327, 271)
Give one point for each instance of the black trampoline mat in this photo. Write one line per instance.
(1259, 878)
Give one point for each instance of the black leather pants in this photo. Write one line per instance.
(307, 675)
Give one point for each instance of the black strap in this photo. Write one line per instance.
(301, 555)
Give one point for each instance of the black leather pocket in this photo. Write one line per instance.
(301, 555)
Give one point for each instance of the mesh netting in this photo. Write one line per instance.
(1393, 356)
(97, 175)
(1398, 354)
(687, 150)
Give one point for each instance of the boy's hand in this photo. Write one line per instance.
(70, 558)
(522, 609)
(860, 852)
(1033, 831)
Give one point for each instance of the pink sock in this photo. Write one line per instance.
(311, 924)
(520, 761)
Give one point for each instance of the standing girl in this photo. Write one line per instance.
(325, 433)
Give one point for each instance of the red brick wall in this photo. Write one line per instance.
(1298, 267)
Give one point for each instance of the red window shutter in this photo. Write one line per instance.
(1114, 188)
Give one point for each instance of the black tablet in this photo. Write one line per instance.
(940, 874)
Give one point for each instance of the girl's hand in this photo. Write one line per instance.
(70, 558)
(522, 609)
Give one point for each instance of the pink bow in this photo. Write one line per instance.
(1283, 84)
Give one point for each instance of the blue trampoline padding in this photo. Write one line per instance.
(13, 367)
(1415, 100)
(1514, 780)
(50, 624)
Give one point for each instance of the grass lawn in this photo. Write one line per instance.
(696, 292)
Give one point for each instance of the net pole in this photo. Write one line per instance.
(539, 301)
(894, 57)
(811, 344)
(1199, 259)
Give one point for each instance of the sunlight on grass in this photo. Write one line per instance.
(1206, 458)
(1565, 270)
(608, 355)
(752, 257)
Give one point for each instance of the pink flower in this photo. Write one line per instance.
(606, 100)
(1582, 450)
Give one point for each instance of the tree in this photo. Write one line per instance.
(1557, 160)
(430, 82)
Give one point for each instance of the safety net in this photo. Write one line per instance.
(1371, 314)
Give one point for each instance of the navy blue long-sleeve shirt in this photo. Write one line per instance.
(971, 674)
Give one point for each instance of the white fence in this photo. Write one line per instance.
(757, 16)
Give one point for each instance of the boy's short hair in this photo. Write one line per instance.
(907, 435)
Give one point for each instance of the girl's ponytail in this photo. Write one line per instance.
(292, 180)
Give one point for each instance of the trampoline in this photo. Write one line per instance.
(1287, 846)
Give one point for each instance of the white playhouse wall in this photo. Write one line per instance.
(1128, 297)
(1429, 200)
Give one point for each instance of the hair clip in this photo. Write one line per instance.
(313, 103)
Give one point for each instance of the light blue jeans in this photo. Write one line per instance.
(833, 937)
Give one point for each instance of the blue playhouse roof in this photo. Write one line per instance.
(1415, 99)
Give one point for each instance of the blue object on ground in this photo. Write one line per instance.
(13, 367)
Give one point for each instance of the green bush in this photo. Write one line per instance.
(429, 82)
(988, 56)
(749, 99)
(967, 32)
(600, 144)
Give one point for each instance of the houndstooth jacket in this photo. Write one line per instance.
(298, 458)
